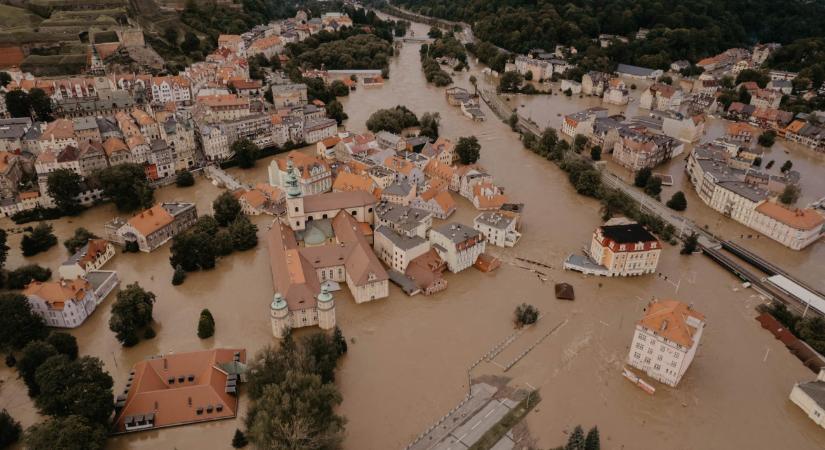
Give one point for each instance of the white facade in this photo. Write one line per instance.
(654, 349)
(498, 229)
(458, 245)
(803, 395)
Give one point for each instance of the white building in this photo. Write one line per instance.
(319, 129)
(397, 250)
(91, 256)
(458, 245)
(625, 249)
(810, 398)
(314, 174)
(498, 229)
(665, 340)
(67, 303)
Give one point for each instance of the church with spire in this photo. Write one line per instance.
(320, 244)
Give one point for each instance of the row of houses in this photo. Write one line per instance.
(749, 197)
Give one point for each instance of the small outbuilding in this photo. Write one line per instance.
(564, 291)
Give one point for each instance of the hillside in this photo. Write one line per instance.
(679, 29)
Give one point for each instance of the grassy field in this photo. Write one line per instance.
(12, 17)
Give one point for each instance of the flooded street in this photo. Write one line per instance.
(407, 363)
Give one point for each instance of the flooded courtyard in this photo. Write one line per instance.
(408, 358)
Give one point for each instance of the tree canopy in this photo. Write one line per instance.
(127, 186)
(468, 149)
(392, 119)
(19, 325)
(39, 239)
(131, 311)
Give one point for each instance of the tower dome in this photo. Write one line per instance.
(278, 302)
(324, 297)
(291, 182)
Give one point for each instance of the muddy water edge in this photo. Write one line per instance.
(408, 361)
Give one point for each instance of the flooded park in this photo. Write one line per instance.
(409, 356)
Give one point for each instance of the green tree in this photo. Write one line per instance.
(80, 387)
(190, 42)
(66, 433)
(547, 141)
(206, 224)
(224, 244)
(41, 105)
(790, 194)
(468, 149)
(767, 138)
(179, 276)
(786, 167)
(9, 428)
(690, 244)
(39, 239)
(653, 187)
(5, 79)
(474, 82)
(131, 311)
(171, 36)
(192, 250)
(127, 186)
(677, 201)
(206, 325)
(525, 314)
(335, 110)
(340, 341)
(339, 89)
(579, 142)
(510, 82)
(430, 122)
(244, 233)
(239, 439)
(80, 238)
(64, 343)
(392, 119)
(592, 441)
(226, 208)
(20, 277)
(34, 354)
(576, 439)
(513, 121)
(435, 33)
(596, 153)
(246, 153)
(812, 331)
(18, 104)
(64, 188)
(296, 413)
(19, 325)
(642, 177)
(184, 178)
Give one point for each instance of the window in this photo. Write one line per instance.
(657, 367)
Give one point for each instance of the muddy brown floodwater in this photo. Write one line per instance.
(408, 362)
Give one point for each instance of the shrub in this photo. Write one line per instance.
(525, 315)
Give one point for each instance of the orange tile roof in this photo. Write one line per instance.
(331, 141)
(799, 219)
(5, 157)
(113, 145)
(668, 318)
(57, 293)
(489, 196)
(445, 200)
(59, 129)
(151, 220)
(346, 181)
(740, 128)
(254, 198)
(95, 248)
(177, 402)
(213, 101)
(273, 192)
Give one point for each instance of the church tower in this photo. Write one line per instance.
(294, 199)
(279, 315)
(326, 309)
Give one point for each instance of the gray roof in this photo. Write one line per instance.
(14, 128)
(401, 188)
(387, 136)
(815, 390)
(34, 132)
(401, 216)
(495, 220)
(175, 208)
(456, 232)
(106, 125)
(84, 123)
(398, 240)
(634, 70)
(746, 190)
